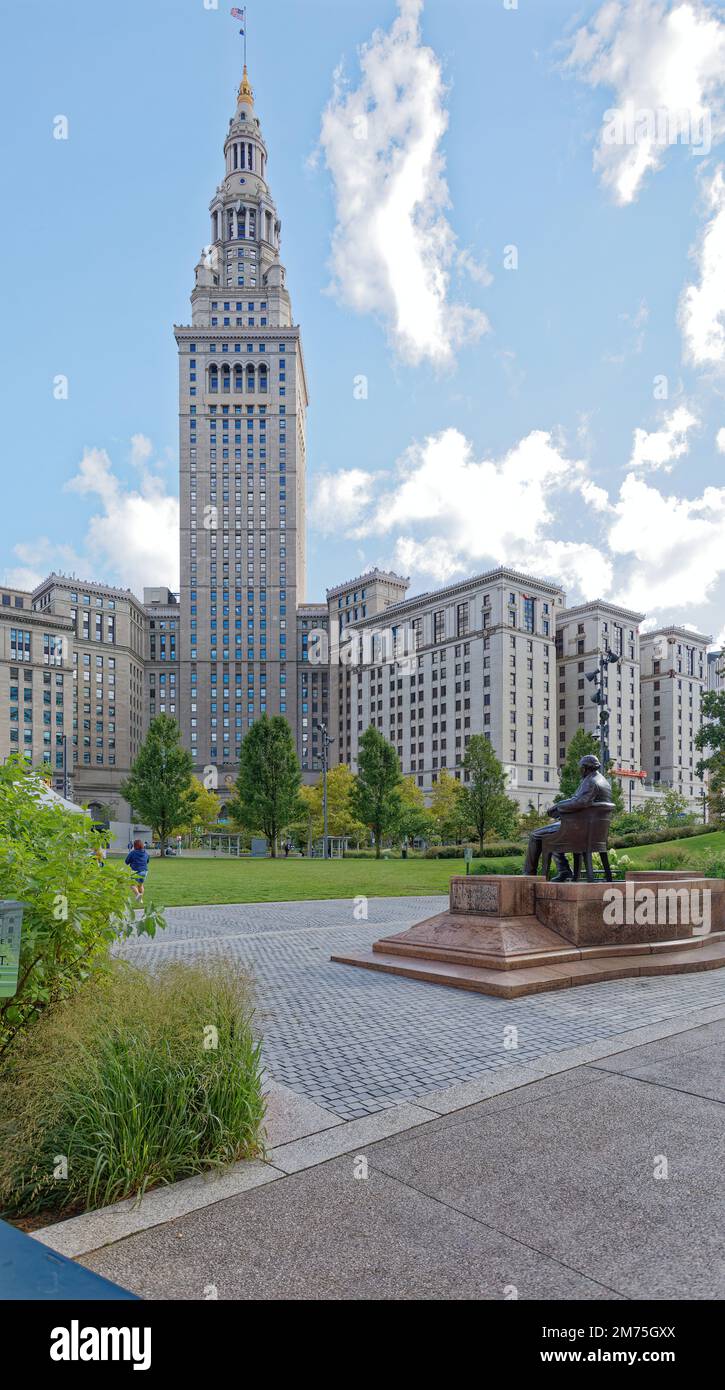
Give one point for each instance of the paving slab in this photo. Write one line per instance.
(325, 1234)
(571, 1172)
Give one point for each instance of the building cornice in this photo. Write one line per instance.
(369, 577)
(544, 586)
(600, 605)
(682, 632)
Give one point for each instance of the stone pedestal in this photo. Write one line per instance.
(513, 934)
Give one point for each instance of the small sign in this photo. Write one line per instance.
(468, 855)
(11, 921)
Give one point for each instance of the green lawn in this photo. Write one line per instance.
(184, 882)
(187, 882)
(692, 851)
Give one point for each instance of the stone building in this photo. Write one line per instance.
(476, 657)
(674, 678)
(36, 682)
(581, 634)
(242, 410)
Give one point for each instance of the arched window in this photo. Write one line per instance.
(262, 377)
(213, 377)
(238, 378)
(250, 377)
(226, 379)
(250, 156)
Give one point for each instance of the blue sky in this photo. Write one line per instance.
(562, 415)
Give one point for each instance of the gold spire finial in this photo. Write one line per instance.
(245, 93)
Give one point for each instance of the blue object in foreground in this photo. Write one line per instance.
(29, 1270)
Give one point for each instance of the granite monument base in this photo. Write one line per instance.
(510, 935)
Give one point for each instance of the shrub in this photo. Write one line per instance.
(74, 909)
(129, 1082)
(668, 859)
(654, 837)
(495, 850)
(495, 868)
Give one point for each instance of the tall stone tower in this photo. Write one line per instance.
(242, 407)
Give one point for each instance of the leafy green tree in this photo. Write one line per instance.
(447, 808)
(340, 817)
(710, 739)
(414, 819)
(532, 819)
(268, 784)
(487, 805)
(581, 745)
(74, 910)
(158, 787)
(375, 799)
(201, 811)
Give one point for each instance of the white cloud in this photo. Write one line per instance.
(720, 440)
(132, 540)
(339, 499)
(702, 306)
(135, 536)
(664, 60)
(393, 246)
(36, 559)
(661, 448)
(448, 514)
(675, 545)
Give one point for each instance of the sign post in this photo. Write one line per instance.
(11, 921)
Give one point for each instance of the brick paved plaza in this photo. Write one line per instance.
(356, 1042)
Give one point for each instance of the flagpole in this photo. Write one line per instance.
(245, 36)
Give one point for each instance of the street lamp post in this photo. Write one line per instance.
(600, 698)
(326, 741)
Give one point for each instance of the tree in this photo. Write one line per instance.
(486, 803)
(201, 812)
(268, 784)
(581, 746)
(158, 787)
(341, 820)
(532, 819)
(375, 799)
(73, 911)
(716, 789)
(447, 807)
(675, 808)
(710, 739)
(414, 819)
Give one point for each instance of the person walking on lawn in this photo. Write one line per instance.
(138, 861)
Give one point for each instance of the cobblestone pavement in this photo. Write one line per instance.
(357, 1042)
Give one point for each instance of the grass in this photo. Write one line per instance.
(189, 882)
(138, 1080)
(186, 882)
(689, 853)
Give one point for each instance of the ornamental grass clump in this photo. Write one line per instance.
(137, 1080)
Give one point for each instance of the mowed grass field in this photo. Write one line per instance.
(187, 882)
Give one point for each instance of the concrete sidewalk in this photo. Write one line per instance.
(600, 1181)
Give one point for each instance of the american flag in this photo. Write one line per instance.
(238, 14)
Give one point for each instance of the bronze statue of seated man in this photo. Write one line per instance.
(589, 810)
